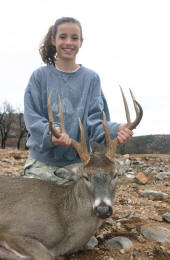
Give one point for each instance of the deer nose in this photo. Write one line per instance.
(103, 211)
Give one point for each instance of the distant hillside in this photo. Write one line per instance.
(158, 144)
(146, 144)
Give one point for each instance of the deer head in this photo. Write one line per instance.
(99, 170)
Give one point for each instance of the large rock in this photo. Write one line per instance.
(156, 233)
(119, 242)
(155, 195)
(91, 243)
(162, 175)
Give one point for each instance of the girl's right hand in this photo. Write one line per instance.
(64, 140)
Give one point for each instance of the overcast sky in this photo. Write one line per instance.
(127, 42)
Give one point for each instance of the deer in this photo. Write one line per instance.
(40, 220)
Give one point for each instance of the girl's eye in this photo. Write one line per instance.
(62, 36)
(75, 38)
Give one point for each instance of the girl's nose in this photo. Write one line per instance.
(68, 41)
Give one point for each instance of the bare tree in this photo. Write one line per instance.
(6, 119)
(22, 129)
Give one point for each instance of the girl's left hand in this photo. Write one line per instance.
(123, 134)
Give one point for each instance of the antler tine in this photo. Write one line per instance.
(126, 107)
(111, 144)
(81, 148)
(139, 113)
(134, 102)
(51, 121)
(60, 115)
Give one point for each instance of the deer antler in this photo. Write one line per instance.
(138, 109)
(81, 148)
(111, 144)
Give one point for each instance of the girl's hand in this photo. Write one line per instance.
(64, 140)
(124, 134)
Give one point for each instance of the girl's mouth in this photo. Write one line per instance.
(68, 50)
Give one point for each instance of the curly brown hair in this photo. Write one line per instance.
(47, 50)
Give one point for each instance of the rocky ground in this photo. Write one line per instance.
(140, 226)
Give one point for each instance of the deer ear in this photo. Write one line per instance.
(66, 176)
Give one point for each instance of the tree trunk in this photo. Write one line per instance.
(3, 143)
(20, 138)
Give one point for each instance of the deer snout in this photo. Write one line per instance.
(103, 209)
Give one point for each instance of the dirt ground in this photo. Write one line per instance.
(131, 210)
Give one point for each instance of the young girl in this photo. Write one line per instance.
(81, 97)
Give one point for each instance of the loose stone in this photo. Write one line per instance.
(119, 242)
(166, 217)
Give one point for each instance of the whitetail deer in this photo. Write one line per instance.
(40, 220)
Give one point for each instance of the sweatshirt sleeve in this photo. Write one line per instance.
(35, 116)
(97, 105)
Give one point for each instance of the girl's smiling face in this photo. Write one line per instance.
(68, 41)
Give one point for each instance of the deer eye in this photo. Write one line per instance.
(114, 181)
(115, 176)
(88, 184)
(85, 177)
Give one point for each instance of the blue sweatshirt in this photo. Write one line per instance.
(81, 96)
